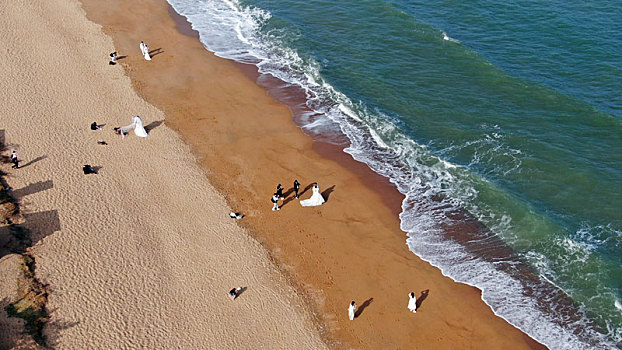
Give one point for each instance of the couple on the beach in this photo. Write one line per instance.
(144, 49)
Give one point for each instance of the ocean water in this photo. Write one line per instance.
(500, 122)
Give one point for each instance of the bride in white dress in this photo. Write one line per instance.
(137, 126)
(316, 198)
(412, 302)
(144, 49)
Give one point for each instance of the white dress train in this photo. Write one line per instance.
(315, 200)
(144, 49)
(137, 126)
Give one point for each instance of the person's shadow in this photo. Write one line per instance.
(287, 200)
(422, 297)
(33, 161)
(305, 190)
(155, 52)
(288, 192)
(363, 306)
(327, 192)
(153, 125)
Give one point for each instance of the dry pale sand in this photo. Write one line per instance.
(141, 255)
(351, 248)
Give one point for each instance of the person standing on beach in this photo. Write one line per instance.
(14, 160)
(145, 51)
(279, 191)
(275, 201)
(412, 302)
(351, 310)
(296, 187)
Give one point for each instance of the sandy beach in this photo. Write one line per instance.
(142, 254)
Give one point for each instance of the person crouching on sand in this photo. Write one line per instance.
(95, 126)
(234, 293)
(275, 201)
(113, 58)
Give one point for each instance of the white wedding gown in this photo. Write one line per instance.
(412, 303)
(137, 126)
(315, 200)
(144, 49)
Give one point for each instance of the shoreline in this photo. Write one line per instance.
(333, 150)
(222, 166)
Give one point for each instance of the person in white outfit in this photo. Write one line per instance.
(275, 201)
(412, 302)
(144, 49)
(14, 160)
(351, 310)
(316, 198)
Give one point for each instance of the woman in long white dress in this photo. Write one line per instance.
(316, 198)
(137, 126)
(412, 302)
(144, 49)
(352, 310)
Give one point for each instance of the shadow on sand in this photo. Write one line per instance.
(363, 306)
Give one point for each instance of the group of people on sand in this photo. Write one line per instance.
(144, 50)
(412, 306)
(315, 199)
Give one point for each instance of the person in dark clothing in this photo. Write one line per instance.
(233, 293)
(296, 187)
(279, 191)
(94, 126)
(113, 58)
(87, 169)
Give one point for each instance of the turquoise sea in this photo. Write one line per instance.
(500, 122)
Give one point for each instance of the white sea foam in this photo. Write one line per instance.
(447, 38)
(432, 186)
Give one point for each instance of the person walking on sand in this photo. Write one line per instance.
(275, 201)
(296, 187)
(279, 191)
(14, 160)
(412, 302)
(351, 310)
